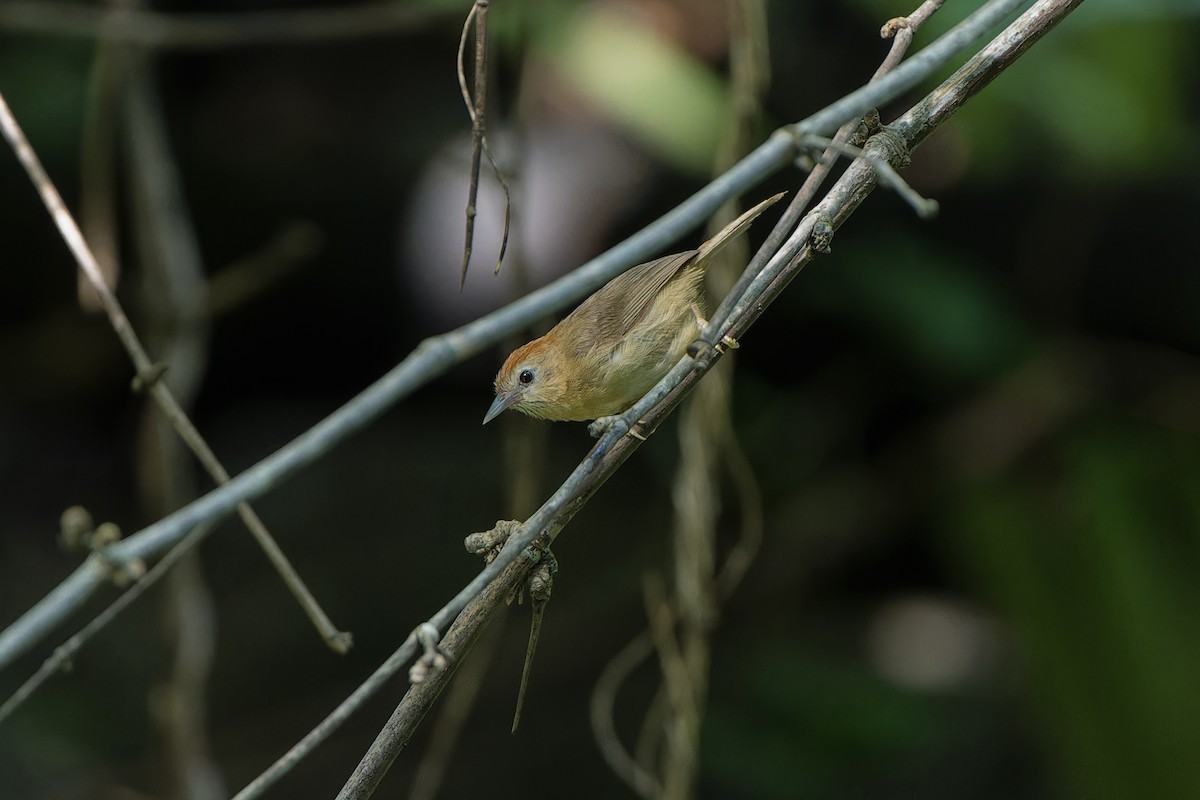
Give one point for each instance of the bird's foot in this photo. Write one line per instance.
(600, 426)
(727, 342)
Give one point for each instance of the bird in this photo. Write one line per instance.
(612, 349)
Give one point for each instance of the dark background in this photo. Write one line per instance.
(976, 437)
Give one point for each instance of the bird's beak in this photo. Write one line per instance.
(501, 402)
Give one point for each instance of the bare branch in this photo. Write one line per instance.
(901, 31)
(417, 701)
(477, 108)
(906, 28)
(926, 209)
(604, 728)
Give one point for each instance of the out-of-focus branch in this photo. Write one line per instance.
(97, 167)
(682, 621)
(148, 374)
(175, 288)
(165, 30)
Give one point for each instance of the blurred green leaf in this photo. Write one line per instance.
(670, 102)
(1105, 94)
(1093, 559)
(45, 83)
(802, 722)
(941, 315)
(1099, 101)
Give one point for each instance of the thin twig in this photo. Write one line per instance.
(63, 655)
(604, 728)
(925, 208)
(454, 713)
(536, 614)
(901, 31)
(97, 168)
(750, 534)
(682, 723)
(905, 27)
(477, 108)
(474, 108)
(455, 644)
(147, 373)
(291, 244)
(199, 31)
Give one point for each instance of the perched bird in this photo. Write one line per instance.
(618, 343)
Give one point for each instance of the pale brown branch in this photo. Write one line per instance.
(604, 728)
(147, 372)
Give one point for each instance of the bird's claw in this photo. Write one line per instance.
(600, 426)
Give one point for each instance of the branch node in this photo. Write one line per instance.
(898, 154)
(489, 543)
(145, 379)
(822, 234)
(75, 528)
(79, 535)
(433, 660)
(106, 533)
(893, 26)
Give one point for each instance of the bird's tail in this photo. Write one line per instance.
(734, 229)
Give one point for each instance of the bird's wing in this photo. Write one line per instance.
(623, 302)
(620, 304)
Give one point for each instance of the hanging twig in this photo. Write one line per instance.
(477, 108)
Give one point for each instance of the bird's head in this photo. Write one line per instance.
(531, 381)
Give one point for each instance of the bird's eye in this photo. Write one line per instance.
(526, 376)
